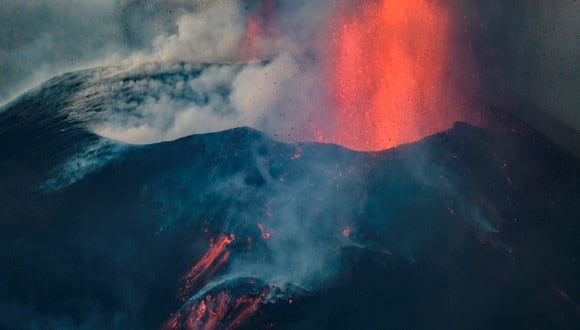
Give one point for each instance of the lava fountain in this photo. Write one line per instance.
(388, 73)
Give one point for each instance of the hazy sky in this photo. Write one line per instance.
(41, 38)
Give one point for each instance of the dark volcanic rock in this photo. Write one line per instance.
(470, 228)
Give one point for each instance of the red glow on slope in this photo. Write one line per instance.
(245, 307)
(217, 312)
(388, 73)
(212, 261)
(214, 311)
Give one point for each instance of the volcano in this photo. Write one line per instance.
(469, 228)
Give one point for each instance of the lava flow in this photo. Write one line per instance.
(216, 312)
(387, 73)
(212, 261)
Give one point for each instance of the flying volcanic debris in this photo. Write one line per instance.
(387, 74)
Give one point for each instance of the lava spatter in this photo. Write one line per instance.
(389, 61)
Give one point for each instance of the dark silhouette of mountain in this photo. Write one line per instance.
(471, 228)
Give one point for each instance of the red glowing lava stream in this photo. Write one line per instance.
(211, 262)
(217, 311)
(388, 73)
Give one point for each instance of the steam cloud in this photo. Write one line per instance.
(267, 81)
(270, 80)
(217, 98)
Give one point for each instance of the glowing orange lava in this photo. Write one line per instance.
(216, 312)
(213, 260)
(388, 73)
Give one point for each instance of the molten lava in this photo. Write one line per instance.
(213, 311)
(212, 261)
(388, 72)
(216, 312)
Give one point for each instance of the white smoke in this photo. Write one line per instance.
(210, 35)
(277, 91)
(273, 82)
(219, 98)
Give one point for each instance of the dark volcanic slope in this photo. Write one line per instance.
(468, 229)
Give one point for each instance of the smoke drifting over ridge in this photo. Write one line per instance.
(275, 82)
